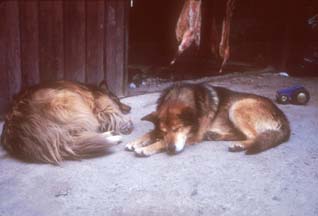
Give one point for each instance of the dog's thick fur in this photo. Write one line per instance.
(190, 113)
(63, 120)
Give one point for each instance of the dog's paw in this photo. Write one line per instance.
(130, 147)
(210, 136)
(134, 145)
(113, 139)
(236, 147)
(142, 152)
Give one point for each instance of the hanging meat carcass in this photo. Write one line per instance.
(214, 40)
(188, 28)
(224, 48)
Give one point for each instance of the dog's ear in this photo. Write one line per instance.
(152, 117)
(103, 85)
(123, 107)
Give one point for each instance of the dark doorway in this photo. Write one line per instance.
(151, 38)
(262, 33)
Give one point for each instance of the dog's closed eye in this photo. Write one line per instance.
(176, 129)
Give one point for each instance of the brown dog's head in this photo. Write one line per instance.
(175, 124)
(123, 107)
(113, 110)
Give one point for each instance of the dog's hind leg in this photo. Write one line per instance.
(263, 124)
(223, 130)
(259, 142)
(242, 145)
(141, 141)
(216, 136)
(243, 120)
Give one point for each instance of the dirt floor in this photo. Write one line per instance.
(205, 179)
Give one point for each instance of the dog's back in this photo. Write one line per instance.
(63, 120)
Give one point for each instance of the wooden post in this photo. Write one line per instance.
(10, 67)
(51, 40)
(12, 47)
(29, 28)
(74, 40)
(4, 93)
(116, 45)
(95, 41)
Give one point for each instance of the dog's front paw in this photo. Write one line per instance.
(236, 147)
(134, 145)
(140, 152)
(144, 152)
(130, 147)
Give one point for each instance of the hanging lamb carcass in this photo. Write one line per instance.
(224, 47)
(188, 30)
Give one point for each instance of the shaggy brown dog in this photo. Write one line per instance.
(190, 113)
(63, 120)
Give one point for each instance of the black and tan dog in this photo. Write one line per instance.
(64, 120)
(190, 113)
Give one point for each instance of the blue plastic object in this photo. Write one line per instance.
(295, 94)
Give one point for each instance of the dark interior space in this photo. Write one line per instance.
(152, 38)
(276, 33)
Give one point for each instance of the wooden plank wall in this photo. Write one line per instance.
(116, 45)
(82, 40)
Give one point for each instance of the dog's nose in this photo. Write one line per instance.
(171, 149)
(127, 128)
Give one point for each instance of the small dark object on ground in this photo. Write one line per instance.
(295, 95)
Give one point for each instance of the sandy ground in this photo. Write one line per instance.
(205, 179)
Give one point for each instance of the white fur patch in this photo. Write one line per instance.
(114, 139)
(107, 134)
(129, 147)
(180, 142)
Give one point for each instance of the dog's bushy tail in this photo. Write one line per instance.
(91, 144)
(269, 139)
(54, 146)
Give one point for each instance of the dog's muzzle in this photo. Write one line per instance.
(172, 149)
(178, 145)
